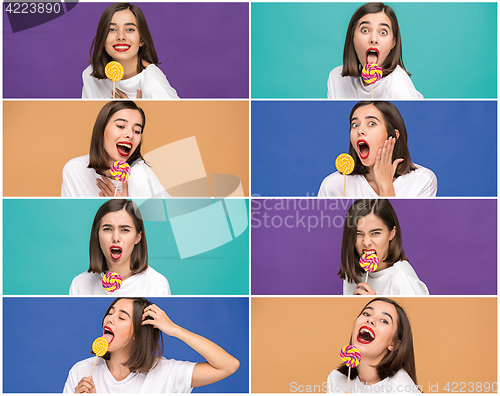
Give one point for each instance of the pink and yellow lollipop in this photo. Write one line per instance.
(120, 170)
(111, 282)
(371, 73)
(369, 262)
(351, 357)
(345, 165)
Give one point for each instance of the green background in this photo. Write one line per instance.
(449, 48)
(46, 244)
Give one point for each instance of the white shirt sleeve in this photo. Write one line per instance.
(156, 86)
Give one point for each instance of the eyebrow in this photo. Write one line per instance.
(367, 117)
(383, 313)
(380, 24)
(124, 120)
(125, 24)
(126, 313)
(375, 229)
(111, 225)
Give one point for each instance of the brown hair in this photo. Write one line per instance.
(352, 65)
(147, 347)
(98, 158)
(350, 269)
(98, 55)
(393, 121)
(139, 257)
(402, 356)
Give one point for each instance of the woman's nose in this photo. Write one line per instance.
(374, 38)
(121, 34)
(370, 320)
(116, 236)
(367, 241)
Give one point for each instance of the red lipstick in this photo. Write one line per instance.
(124, 148)
(121, 47)
(363, 148)
(116, 252)
(366, 335)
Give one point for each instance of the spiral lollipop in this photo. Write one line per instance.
(111, 282)
(120, 170)
(345, 165)
(369, 262)
(99, 347)
(371, 73)
(351, 357)
(114, 71)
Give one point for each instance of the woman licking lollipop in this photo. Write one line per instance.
(371, 228)
(117, 136)
(134, 362)
(118, 245)
(382, 334)
(123, 36)
(383, 166)
(373, 38)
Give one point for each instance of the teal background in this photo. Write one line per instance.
(46, 244)
(449, 48)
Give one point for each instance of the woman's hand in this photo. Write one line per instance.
(384, 169)
(86, 385)
(153, 315)
(363, 289)
(122, 95)
(108, 188)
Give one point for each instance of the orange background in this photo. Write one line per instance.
(299, 339)
(39, 137)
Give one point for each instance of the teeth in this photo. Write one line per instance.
(128, 145)
(121, 46)
(372, 334)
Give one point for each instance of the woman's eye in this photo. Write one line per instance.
(138, 132)
(384, 33)
(120, 126)
(354, 125)
(366, 314)
(372, 123)
(112, 29)
(385, 321)
(364, 30)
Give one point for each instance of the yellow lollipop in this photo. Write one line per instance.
(100, 346)
(114, 71)
(344, 164)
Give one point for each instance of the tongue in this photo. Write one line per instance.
(371, 58)
(108, 337)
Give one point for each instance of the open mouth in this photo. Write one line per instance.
(363, 149)
(369, 251)
(371, 56)
(121, 47)
(124, 148)
(116, 252)
(365, 335)
(108, 334)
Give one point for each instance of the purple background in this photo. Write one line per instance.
(203, 49)
(451, 244)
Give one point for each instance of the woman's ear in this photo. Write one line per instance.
(391, 347)
(397, 133)
(392, 234)
(138, 238)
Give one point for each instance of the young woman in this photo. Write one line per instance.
(372, 37)
(382, 334)
(118, 244)
(134, 361)
(372, 226)
(383, 167)
(117, 136)
(123, 36)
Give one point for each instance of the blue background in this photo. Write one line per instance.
(295, 144)
(45, 336)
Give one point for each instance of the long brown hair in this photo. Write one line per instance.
(99, 58)
(147, 347)
(402, 356)
(393, 120)
(98, 158)
(352, 65)
(139, 256)
(350, 269)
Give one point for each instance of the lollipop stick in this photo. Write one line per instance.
(116, 189)
(95, 361)
(345, 177)
(348, 378)
(114, 90)
(366, 280)
(372, 91)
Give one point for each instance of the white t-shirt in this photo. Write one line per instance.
(80, 181)
(147, 283)
(399, 383)
(151, 81)
(169, 376)
(397, 85)
(421, 182)
(398, 280)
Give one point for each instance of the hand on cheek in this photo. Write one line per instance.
(384, 169)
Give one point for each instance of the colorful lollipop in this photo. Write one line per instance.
(120, 170)
(371, 73)
(114, 71)
(99, 347)
(111, 282)
(351, 357)
(369, 262)
(345, 165)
